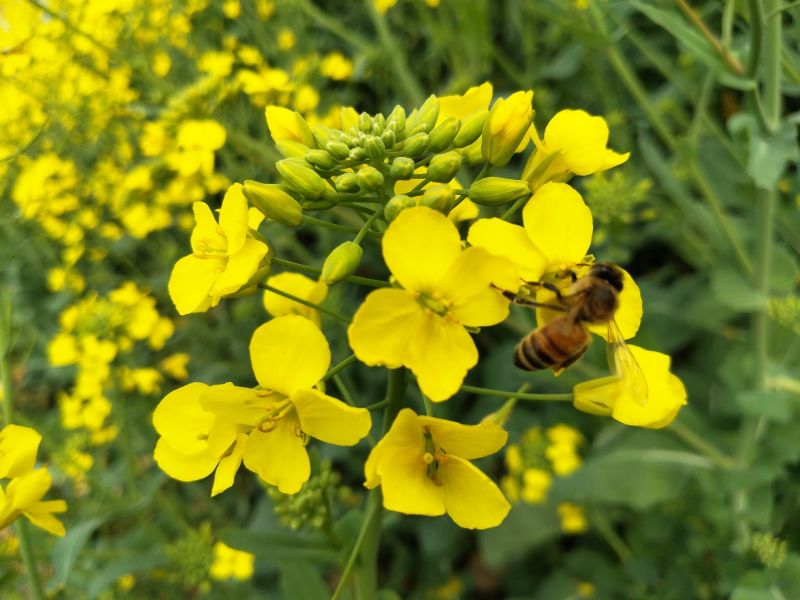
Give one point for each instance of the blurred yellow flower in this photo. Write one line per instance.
(197, 141)
(535, 485)
(423, 467)
(573, 518)
(336, 66)
(18, 448)
(230, 563)
(23, 497)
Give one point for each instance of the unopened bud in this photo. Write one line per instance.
(443, 134)
(365, 122)
(397, 119)
(347, 140)
(388, 138)
(424, 118)
(471, 128)
(494, 191)
(338, 149)
(379, 122)
(370, 178)
(438, 197)
(402, 168)
(374, 147)
(358, 154)
(341, 263)
(274, 202)
(324, 135)
(321, 159)
(443, 167)
(291, 149)
(396, 205)
(506, 126)
(501, 415)
(300, 177)
(348, 183)
(416, 144)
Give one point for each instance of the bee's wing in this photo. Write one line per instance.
(623, 363)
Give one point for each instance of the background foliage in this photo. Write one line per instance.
(705, 509)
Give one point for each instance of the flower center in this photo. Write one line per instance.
(207, 247)
(276, 411)
(433, 458)
(438, 305)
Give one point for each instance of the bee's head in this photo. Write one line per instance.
(609, 273)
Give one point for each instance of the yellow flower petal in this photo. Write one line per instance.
(279, 456)
(465, 211)
(288, 354)
(241, 405)
(419, 246)
(26, 490)
(228, 465)
(288, 125)
(511, 242)
(374, 335)
(474, 99)
(190, 282)
(298, 285)
(41, 516)
(18, 447)
(330, 420)
(580, 138)
(468, 286)
(559, 223)
(466, 441)
(206, 235)
(184, 467)
(629, 312)
(472, 500)
(181, 419)
(233, 218)
(440, 355)
(239, 268)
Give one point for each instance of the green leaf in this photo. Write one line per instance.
(302, 580)
(526, 527)
(734, 291)
(67, 549)
(770, 404)
(768, 156)
(280, 545)
(112, 571)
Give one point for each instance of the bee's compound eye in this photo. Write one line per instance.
(608, 273)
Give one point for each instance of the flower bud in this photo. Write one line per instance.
(318, 205)
(416, 144)
(471, 129)
(321, 159)
(348, 183)
(438, 197)
(506, 126)
(443, 135)
(365, 122)
(396, 205)
(388, 138)
(374, 147)
(358, 154)
(291, 149)
(397, 119)
(378, 124)
(369, 178)
(324, 135)
(443, 167)
(424, 118)
(347, 140)
(286, 124)
(274, 202)
(341, 263)
(402, 168)
(338, 149)
(301, 178)
(494, 191)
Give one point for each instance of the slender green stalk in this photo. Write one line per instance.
(484, 172)
(303, 301)
(729, 59)
(756, 28)
(125, 441)
(611, 537)
(337, 227)
(372, 512)
(281, 262)
(520, 396)
(696, 442)
(514, 208)
(340, 366)
(366, 228)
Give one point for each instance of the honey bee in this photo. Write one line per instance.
(592, 299)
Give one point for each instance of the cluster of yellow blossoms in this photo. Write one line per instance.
(397, 175)
(23, 494)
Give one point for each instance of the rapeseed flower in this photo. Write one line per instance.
(423, 467)
(23, 497)
(445, 290)
(506, 127)
(18, 447)
(230, 563)
(296, 285)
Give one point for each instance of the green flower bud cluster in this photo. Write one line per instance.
(310, 506)
(190, 557)
(614, 198)
(533, 448)
(771, 551)
(786, 311)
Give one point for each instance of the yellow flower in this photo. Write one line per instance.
(461, 106)
(423, 467)
(231, 563)
(615, 396)
(23, 497)
(286, 39)
(296, 285)
(563, 458)
(288, 125)
(197, 141)
(175, 365)
(223, 257)
(63, 350)
(383, 6)
(336, 66)
(18, 447)
(535, 485)
(506, 127)
(445, 289)
(556, 235)
(289, 356)
(574, 144)
(573, 519)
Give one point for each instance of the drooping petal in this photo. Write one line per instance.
(330, 420)
(466, 441)
(613, 159)
(228, 465)
(233, 218)
(240, 268)
(181, 419)
(629, 312)
(383, 327)
(184, 467)
(191, 280)
(440, 354)
(468, 286)
(419, 246)
(18, 448)
(206, 235)
(41, 515)
(279, 456)
(288, 354)
(559, 223)
(512, 242)
(472, 500)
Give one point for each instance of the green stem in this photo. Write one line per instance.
(305, 302)
(376, 283)
(756, 30)
(125, 442)
(729, 59)
(372, 513)
(696, 442)
(365, 229)
(611, 537)
(520, 396)
(337, 227)
(342, 365)
(514, 208)
(26, 549)
(485, 170)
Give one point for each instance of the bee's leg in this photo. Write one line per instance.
(548, 286)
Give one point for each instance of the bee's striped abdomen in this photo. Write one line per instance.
(540, 350)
